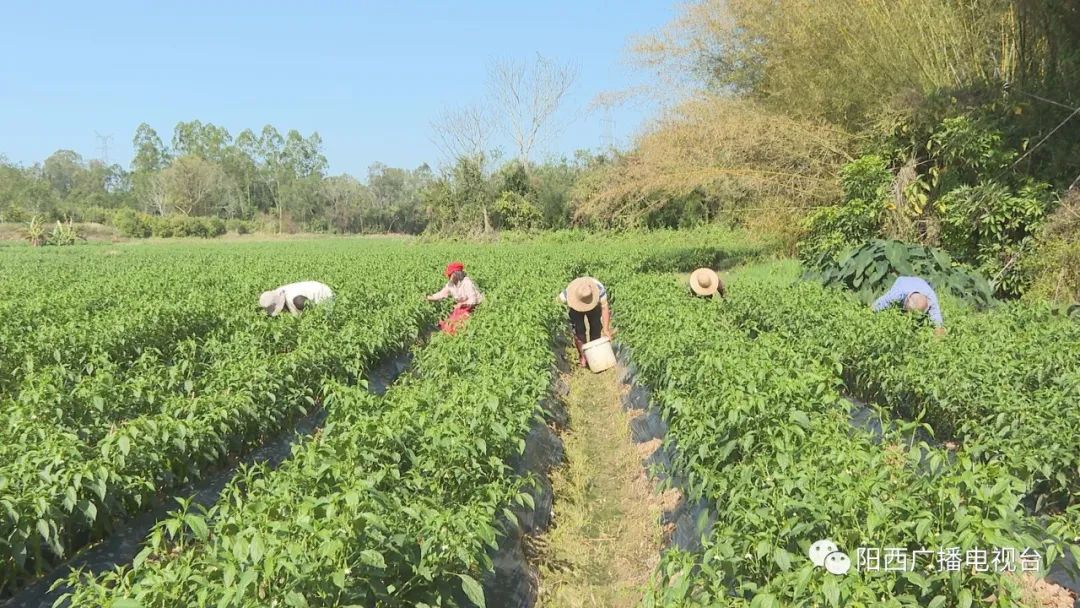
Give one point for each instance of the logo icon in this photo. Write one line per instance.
(824, 553)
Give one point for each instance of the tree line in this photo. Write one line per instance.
(953, 123)
(278, 182)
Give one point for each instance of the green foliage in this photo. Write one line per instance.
(400, 499)
(238, 226)
(133, 224)
(866, 178)
(990, 226)
(161, 384)
(513, 211)
(759, 431)
(35, 231)
(974, 386)
(1054, 268)
(870, 269)
(63, 234)
(832, 230)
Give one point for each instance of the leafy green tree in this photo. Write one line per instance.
(62, 171)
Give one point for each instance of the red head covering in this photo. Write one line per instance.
(453, 267)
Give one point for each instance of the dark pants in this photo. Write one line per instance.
(596, 324)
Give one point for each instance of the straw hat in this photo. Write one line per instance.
(704, 282)
(273, 302)
(582, 294)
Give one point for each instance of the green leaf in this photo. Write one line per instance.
(937, 602)
(964, 599)
(124, 602)
(295, 600)
(372, 558)
(43, 529)
(782, 558)
(832, 592)
(198, 526)
(472, 590)
(339, 579)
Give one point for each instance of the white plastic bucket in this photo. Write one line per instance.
(599, 355)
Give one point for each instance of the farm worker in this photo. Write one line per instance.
(463, 290)
(294, 297)
(706, 283)
(587, 300)
(913, 294)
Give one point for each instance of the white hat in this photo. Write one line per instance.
(705, 282)
(272, 302)
(583, 294)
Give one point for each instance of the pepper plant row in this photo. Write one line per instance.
(396, 502)
(760, 432)
(126, 435)
(1004, 384)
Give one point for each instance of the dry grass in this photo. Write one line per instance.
(607, 538)
(733, 153)
(841, 60)
(1038, 593)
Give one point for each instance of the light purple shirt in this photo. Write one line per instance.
(905, 286)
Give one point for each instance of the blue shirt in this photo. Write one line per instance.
(905, 286)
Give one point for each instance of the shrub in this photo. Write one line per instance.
(831, 230)
(215, 226)
(1053, 265)
(869, 270)
(866, 178)
(1054, 268)
(133, 224)
(990, 226)
(515, 212)
(63, 234)
(238, 226)
(34, 232)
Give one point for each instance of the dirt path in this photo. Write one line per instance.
(607, 537)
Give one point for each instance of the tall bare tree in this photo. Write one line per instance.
(526, 97)
(464, 132)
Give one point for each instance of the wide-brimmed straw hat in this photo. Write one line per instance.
(704, 282)
(273, 302)
(583, 294)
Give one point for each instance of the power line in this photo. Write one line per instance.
(1026, 154)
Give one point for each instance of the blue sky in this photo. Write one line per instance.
(368, 76)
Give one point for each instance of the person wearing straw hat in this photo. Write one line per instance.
(294, 297)
(464, 292)
(913, 295)
(706, 283)
(587, 301)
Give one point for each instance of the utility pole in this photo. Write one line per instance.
(607, 138)
(103, 146)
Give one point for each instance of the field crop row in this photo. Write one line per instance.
(760, 431)
(86, 446)
(395, 502)
(1005, 384)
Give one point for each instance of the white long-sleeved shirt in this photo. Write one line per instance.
(313, 290)
(464, 293)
